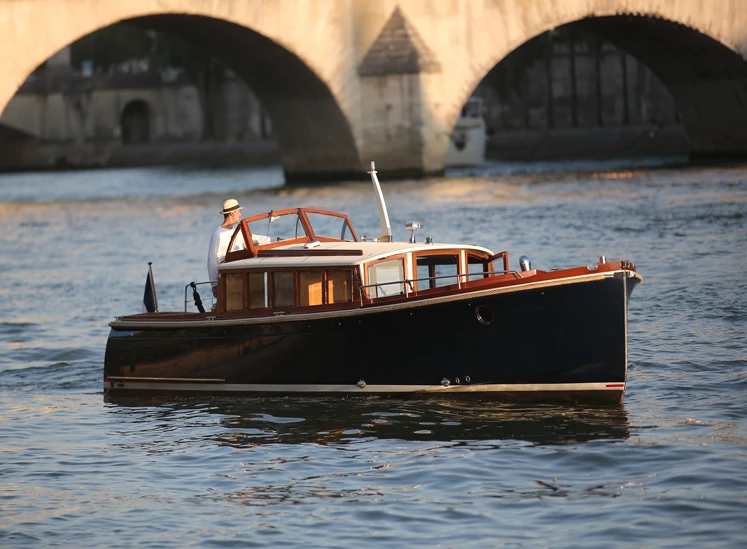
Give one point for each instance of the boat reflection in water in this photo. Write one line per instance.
(251, 422)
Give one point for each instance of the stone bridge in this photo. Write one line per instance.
(349, 81)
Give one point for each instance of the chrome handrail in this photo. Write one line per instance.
(408, 281)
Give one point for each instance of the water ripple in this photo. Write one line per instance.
(666, 469)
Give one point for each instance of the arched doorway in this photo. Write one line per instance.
(135, 123)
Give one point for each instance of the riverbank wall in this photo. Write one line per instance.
(522, 145)
(28, 155)
(591, 143)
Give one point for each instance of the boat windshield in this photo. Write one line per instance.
(276, 227)
(329, 226)
(301, 223)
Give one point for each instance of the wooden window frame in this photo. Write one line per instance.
(325, 305)
(270, 290)
(299, 286)
(487, 266)
(499, 255)
(265, 284)
(414, 262)
(351, 281)
(303, 211)
(244, 288)
(405, 280)
(271, 276)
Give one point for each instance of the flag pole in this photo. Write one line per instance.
(153, 282)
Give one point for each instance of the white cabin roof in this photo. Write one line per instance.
(371, 251)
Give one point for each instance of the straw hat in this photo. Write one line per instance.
(231, 205)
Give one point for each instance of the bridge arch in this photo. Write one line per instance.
(705, 73)
(286, 74)
(331, 118)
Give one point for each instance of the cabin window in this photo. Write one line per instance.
(339, 287)
(234, 292)
(434, 271)
(309, 288)
(284, 289)
(389, 277)
(258, 290)
(475, 267)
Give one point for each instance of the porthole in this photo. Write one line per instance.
(484, 315)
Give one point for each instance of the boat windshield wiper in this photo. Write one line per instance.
(270, 219)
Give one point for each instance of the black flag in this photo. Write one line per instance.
(150, 300)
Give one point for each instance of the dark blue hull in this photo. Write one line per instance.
(546, 342)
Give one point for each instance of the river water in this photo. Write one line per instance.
(668, 468)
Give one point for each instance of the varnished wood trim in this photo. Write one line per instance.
(456, 252)
(486, 267)
(303, 211)
(252, 249)
(245, 297)
(167, 379)
(367, 297)
(302, 253)
(146, 320)
(280, 243)
(499, 255)
(325, 293)
(305, 224)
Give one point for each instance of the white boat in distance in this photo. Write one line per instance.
(467, 141)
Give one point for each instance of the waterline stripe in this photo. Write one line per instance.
(128, 384)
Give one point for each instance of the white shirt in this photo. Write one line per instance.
(218, 249)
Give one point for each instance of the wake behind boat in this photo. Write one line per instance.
(310, 308)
